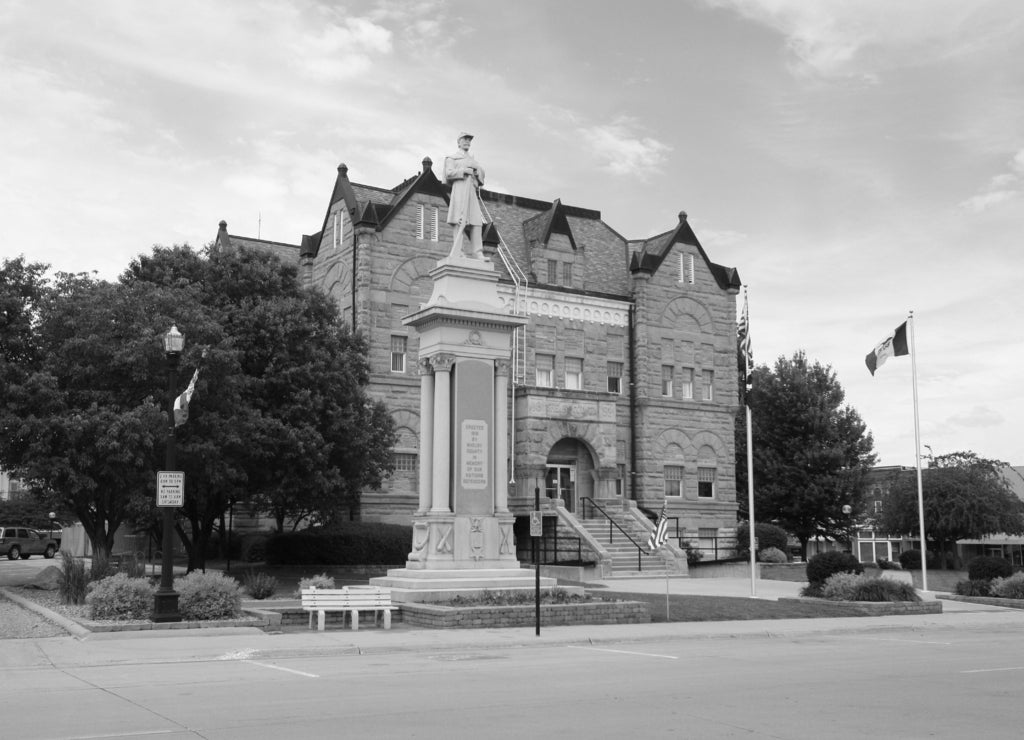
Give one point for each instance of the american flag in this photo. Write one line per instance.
(660, 534)
(743, 332)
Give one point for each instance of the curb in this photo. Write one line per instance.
(74, 628)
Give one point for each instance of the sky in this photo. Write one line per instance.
(855, 160)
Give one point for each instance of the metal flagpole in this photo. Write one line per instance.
(917, 451)
(750, 458)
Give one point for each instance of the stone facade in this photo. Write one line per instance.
(624, 381)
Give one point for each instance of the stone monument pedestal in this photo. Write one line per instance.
(462, 530)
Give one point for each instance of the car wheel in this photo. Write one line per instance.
(14, 553)
(50, 552)
(25, 556)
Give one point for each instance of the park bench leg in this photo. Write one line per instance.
(387, 619)
(321, 618)
(355, 619)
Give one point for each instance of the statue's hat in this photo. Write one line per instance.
(464, 135)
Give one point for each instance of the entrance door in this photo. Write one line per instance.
(560, 482)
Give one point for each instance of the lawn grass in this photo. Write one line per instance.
(693, 608)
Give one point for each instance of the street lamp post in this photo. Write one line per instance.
(165, 601)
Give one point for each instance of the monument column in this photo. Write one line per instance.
(501, 370)
(426, 435)
(442, 440)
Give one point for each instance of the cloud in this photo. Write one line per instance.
(1003, 187)
(978, 416)
(623, 150)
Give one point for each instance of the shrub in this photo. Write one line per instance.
(851, 587)
(768, 535)
(1011, 587)
(825, 564)
(693, 554)
(120, 597)
(133, 565)
(910, 559)
(74, 581)
(210, 595)
(884, 564)
(972, 588)
(985, 568)
(840, 586)
(351, 543)
(772, 555)
(259, 585)
(252, 548)
(319, 581)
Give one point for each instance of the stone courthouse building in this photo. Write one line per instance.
(623, 382)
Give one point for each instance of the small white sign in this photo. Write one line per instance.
(170, 488)
(536, 524)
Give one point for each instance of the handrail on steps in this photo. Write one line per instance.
(612, 523)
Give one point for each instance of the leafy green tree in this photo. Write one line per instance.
(78, 420)
(811, 452)
(281, 418)
(965, 497)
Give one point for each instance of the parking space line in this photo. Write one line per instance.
(623, 652)
(282, 668)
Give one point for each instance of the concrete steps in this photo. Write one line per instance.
(623, 552)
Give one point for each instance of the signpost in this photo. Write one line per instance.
(536, 532)
(170, 488)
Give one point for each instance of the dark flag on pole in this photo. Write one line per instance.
(743, 332)
(659, 536)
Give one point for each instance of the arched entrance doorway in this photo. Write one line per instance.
(570, 472)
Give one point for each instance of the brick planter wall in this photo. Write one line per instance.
(875, 608)
(473, 617)
(988, 600)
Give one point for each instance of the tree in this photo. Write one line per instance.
(78, 420)
(965, 497)
(281, 414)
(282, 417)
(811, 452)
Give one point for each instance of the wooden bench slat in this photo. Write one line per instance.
(350, 599)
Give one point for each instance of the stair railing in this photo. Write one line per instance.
(612, 526)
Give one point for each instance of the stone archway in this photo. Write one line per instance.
(570, 472)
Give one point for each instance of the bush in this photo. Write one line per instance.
(825, 564)
(210, 595)
(984, 568)
(772, 555)
(353, 543)
(319, 581)
(252, 548)
(133, 565)
(74, 581)
(972, 588)
(259, 585)
(768, 535)
(851, 587)
(910, 559)
(1011, 587)
(884, 564)
(120, 597)
(693, 553)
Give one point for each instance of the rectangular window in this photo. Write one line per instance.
(573, 373)
(674, 480)
(567, 274)
(398, 345)
(339, 227)
(707, 391)
(615, 377)
(545, 371)
(620, 482)
(426, 223)
(686, 382)
(405, 462)
(878, 507)
(434, 224)
(705, 482)
(686, 268)
(667, 376)
(552, 272)
(707, 542)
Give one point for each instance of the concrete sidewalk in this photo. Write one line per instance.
(247, 643)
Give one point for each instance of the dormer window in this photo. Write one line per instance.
(426, 223)
(686, 269)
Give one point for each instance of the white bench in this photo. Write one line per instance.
(350, 600)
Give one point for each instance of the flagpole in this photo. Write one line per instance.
(750, 461)
(917, 451)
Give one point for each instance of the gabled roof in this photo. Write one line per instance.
(652, 253)
(288, 253)
(538, 229)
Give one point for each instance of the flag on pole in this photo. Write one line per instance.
(743, 332)
(660, 534)
(181, 402)
(894, 345)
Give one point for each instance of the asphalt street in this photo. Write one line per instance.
(949, 675)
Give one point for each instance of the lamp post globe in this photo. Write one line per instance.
(165, 600)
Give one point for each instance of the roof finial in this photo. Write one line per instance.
(427, 164)
(682, 215)
(343, 170)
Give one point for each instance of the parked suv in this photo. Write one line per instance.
(24, 542)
